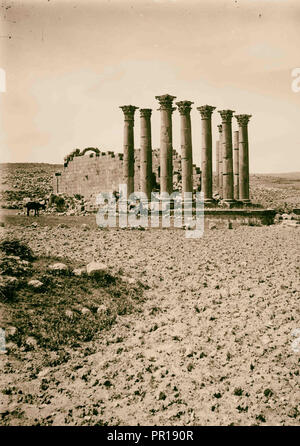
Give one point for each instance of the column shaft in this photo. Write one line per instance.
(217, 166)
(236, 165)
(184, 108)
(146, 153)
(220, 160)
(244, 193)
(206, 161)
(227, 155)
(166, 146)
(128, 159)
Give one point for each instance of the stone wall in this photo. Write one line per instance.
(94, 171)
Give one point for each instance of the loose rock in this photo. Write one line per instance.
(35, 283)
(96, 267)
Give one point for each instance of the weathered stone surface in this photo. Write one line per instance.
(85, 310)
(166, 144)
(244, 193)
(79, 271)
(184, 108)
(236, 164)
(31, 342)
(102, 309)
(11, 331)
(69, 313)
(96, 267)
(226, 116)
(206, 163)
(129, 280)
(128, 161)
(35, 283)
(7, 280)
(146, 153)
(91, 177)
(58, 267)
(220, 170)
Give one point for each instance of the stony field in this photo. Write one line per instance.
(213, 339)
(21, 180)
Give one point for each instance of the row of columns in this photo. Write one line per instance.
(233, 158)
(232, 163)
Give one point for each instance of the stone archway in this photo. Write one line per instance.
(92, 149)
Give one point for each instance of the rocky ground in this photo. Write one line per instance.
(215, 342)
(25, 180)
(277, 191)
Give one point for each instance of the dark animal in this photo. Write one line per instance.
(36, 206)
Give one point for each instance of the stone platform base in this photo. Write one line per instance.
(220, 218)
(243, 216)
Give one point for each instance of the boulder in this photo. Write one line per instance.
(101, 310)
(13, 266)
(10, 331)
(85, 310)
(85, 227)
(31, 342)
(286, 217)
(129, 280)
(96, 268)
(8, 280)
(58, 267)
(79, 271)
(69, 313)
(35, 283)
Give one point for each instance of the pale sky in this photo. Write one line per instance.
(70, 64)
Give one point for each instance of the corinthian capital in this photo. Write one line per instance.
(128, 111)
(145, 112)
(242, 119)
(166, 102)
(226, 115)
(206, 111)
(184, 107)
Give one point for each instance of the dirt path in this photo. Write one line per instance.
(212, 345)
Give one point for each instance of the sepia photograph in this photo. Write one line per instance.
(149, 216)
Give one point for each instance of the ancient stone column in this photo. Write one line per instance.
(58, 177)
(206, 161)
(166, 147)
(184, 108)
(217, 166)
(128, 160)
(236, 164)
(146, 152)
(226, 116)
(243, 158)
(220, 160)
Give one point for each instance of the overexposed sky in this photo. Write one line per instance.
(70, 64)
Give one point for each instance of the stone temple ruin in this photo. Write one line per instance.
(91, 171)
(164, 169)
